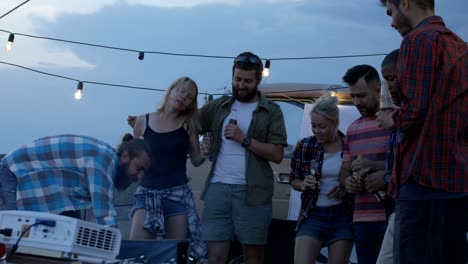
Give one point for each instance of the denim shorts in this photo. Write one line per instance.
(169, 207)
(226, 214)
(328, 224)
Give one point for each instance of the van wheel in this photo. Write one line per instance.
(237, 260)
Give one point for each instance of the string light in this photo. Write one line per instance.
(141, 55)
(82, 82)
(11, 39)
(189, 54)
(266, 70)
(16, 7)
(79, 91)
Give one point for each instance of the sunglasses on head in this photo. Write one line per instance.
(249, 59)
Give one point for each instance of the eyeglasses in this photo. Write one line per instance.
(250, 59)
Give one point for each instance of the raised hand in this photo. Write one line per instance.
(131, 120)
(205, 146)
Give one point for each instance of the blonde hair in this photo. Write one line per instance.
(191, 112)
(327, 106)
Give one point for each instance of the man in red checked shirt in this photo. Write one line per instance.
(430, 175)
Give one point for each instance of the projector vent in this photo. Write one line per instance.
(96, 238)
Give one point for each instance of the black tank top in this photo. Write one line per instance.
(169, 151)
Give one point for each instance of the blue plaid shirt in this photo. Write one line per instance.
(65, 172)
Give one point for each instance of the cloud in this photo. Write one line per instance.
(32, 19)
(50, 10)
(310, 16)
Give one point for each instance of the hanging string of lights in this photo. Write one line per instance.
(141, 56)
(16, 7)
(141, 53)
(79, 90)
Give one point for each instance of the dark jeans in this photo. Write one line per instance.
(431, 231)
(368, 240)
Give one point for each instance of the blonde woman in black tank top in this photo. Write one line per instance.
(168, 130)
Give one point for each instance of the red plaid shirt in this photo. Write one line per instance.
(432, 139)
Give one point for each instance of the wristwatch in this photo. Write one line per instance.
(246, 141)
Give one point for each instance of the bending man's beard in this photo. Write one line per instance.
(122, 180)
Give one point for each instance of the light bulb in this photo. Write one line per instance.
(79, 91)
(78, 94)
(11, 39)
(266, 70)
(333, 93)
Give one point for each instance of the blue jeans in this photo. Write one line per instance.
(7, 189)
(169, 207)
(328, 224)
(431, 231)
(368, 240)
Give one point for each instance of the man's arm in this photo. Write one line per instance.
(277, 139)
(416, 79)
(346, 178)
(364, 163)
(196, 156)
(295, 176)
(206, 114)
(345, 171)
(375, 181)
(384, 118)
(268, 151)
(101, 190)
(139, 126)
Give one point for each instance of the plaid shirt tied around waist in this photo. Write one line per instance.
(154, 221)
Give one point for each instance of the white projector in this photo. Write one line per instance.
(58, 236)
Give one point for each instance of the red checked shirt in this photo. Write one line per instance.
(432, 136)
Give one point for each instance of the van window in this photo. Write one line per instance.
(292, 112)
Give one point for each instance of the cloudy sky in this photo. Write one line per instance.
(35, 105)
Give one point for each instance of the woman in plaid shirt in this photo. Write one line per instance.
(324, 219)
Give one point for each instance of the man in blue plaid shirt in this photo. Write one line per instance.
(66, 173)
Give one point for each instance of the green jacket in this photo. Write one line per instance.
(267, 126)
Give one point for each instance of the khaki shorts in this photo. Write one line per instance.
(226, 214)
